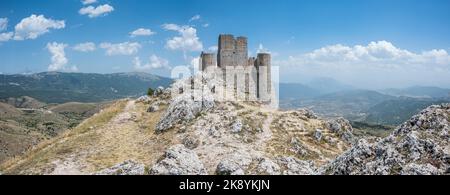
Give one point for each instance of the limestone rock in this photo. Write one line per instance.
(268, 167)
(154, 107)
(297, 147)
(190, 142)
(144, 99)
(416, 169)
(341, 127)
(128, 167)
(307, 113)
(318, 134)
(235, 164)
(236, 127)
(294, 166)
(185, 107)
(415, 147)
(158, 91)
(178, 160)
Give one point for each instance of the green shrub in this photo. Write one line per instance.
(150, 91)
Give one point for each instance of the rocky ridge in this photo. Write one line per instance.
(184, 131)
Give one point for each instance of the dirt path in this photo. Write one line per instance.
(119, 140)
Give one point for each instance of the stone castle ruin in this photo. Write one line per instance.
(249, 77)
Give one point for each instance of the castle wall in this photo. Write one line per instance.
(264, 82)
(207, 60)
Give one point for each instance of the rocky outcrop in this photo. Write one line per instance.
(154, 107)
(144, 99)
(418, 146)
(185, 105)
(128, 167)
(178, 160)
(234, 164)
(343, 128)
(294, 166)
(268, 167)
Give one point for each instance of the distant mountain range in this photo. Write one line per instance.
(386, 107)
(57, 87)
(418, 91)
(313, 88)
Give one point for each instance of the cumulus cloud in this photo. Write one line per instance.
(92, 12)
(87, 2)
(85, 47)
(187, 39)
(35, 26)
(142, 32)
(379, 64)
(154, 63)
(6, 36)
(196, 17)
(3, 24)
(126, 48)
(58, 59)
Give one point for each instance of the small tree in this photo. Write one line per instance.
(150, 91)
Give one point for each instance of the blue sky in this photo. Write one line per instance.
(307, 38)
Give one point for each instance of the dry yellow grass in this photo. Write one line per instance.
(43, 152)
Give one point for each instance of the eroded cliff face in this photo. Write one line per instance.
(181, 131)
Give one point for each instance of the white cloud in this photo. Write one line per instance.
(187, 41)
(6, 36)
(3, 24)
(36, 25)
(378, 64)
(205, 25)
(142, 32)
(87, 2)
(154, 63)
(196, 17)
(85, 47)
(126, 48)
(58, 59)
(213, 48)
(92, 12)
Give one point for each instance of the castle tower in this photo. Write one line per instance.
(241, 51)
(226, 51)
(263, 67)
(207, 60)
(252, 76)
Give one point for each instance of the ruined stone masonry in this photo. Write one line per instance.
(248, 77)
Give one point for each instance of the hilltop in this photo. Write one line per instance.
(169, 133)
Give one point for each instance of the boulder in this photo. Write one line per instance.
(236, 127)
(234, 164)
(183, 108)
(268, 167)
(318, 134)
(178, 160)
